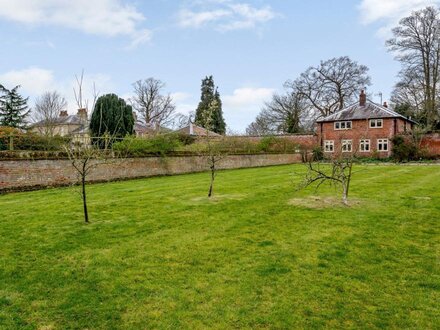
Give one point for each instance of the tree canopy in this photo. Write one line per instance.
(416, 43)
(331, 85)
(13, 108)
(111, 116)
(209, 93)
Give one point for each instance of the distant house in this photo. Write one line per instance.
(195, 130)
(77, 126)
(66, 125)
(363, 128)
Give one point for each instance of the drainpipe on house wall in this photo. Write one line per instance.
(320, 135)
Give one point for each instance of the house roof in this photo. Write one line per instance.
(193, 129)
(62, 120)
(356, 111)
(141, 128)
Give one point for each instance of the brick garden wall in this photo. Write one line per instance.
(33, 174)
(307, 141)
(431, 143)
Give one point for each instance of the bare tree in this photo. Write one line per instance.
(154, 108)
(408, 95)
(284, 114)
(337, 169)
(180, 120)
(261, 126)
(83, 156)
(332, 84)
(416, 43)
(47, 110)
(337, 172)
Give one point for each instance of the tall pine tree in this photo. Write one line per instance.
(210, 93)
(13, 108)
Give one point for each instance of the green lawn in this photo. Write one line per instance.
(158, 254)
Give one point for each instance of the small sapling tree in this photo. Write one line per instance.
(84, 156)
(214, 152)
(336, 170)
(338, 173)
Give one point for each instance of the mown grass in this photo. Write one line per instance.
(159, 254)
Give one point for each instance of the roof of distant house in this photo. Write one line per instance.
(364, 109)
(148, 129)
(62, 119)
(193, 129)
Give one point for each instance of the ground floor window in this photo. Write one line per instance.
(364, 145)
(382, 144)
(329, 146)
(347, 145)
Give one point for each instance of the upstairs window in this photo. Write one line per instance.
(382, 144)
(339, 125)
(329, 146)
(347, 145)
(376, 123)
(364, 145)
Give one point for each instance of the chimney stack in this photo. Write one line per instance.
(362, 99)
(135, 117)
(82, 114)
(385, 105)
(63, 113)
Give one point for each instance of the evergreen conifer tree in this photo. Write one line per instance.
(13, 108)
(210, 93)
(111, 116)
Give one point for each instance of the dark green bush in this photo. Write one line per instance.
(317, 153)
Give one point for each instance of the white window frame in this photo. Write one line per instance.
(376, 123)
(384, 143)
(344, 123)
(329, 144)
(364, 145)
(347, 145)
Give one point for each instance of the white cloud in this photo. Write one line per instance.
(99, 17)
(389, 12)
(224, 15)
(34, 81)
(180, 96)
(243, 105)
(185, 104)
(188, 18)
(247, 99)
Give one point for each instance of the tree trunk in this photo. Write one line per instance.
(345, 193)
(84, 198)
(211, 186)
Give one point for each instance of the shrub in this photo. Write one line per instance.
(317, 153)
(266, 143)
(158, 145)
(30, 141)
(404, 149)
(186, 139)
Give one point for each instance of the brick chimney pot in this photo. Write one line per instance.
(362, 99)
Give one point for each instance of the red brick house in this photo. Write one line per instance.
(364, 128)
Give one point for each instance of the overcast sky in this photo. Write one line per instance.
(251, 47)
